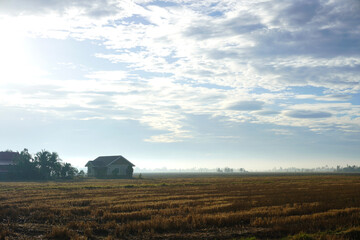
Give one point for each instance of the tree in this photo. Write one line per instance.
(81, 173)
(48, 164)
(24, 166)
(43, 166)
(68, 171)
(55, 165)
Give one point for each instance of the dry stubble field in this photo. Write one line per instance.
(204, 207)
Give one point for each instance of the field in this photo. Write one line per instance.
(184, 207)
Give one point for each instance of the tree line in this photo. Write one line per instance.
(348, 169)
(230, 170)
(44, 165)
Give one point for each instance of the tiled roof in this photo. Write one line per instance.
(6, 158)
(104, 161)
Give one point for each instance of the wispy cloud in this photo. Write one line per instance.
(246, 106)
(169, 59)
(308, 114)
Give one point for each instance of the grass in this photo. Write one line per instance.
(235, 207)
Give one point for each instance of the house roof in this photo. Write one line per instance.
(6, 158)
(105, 161)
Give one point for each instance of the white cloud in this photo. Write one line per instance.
(306, 61)
(194, 58)
(107, 75)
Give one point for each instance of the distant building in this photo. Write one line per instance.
(6, 160)
(110, 167)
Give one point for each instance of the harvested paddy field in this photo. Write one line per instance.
(205, 207)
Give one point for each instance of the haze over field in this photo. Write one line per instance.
(181, 84)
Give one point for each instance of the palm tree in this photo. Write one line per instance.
(24, 167)
(48, 163)
(55, 165)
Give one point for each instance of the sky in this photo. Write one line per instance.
(252, 84)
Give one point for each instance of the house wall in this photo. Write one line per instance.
(6, 160)
(90, 171)
(122, 169)
(4, 168)
(97, 171)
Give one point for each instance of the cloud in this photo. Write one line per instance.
(329, 97)
(95, 8)
(267, 112)
(284, 132)
(107, 75)
(246, 106)
(308, 114)
(298, 13)
(162, 61)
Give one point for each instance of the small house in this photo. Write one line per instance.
(6, 160)
(110, 167)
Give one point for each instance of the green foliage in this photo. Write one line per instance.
(68, 171)
(24, 167)
(81, 174)
(49, 164)
(43, 166)
(348, 169)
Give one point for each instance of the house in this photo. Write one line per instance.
(6, 160)
(110, 166)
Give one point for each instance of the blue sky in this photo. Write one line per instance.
(182, 84)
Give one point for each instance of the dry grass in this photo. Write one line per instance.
(293, 207)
